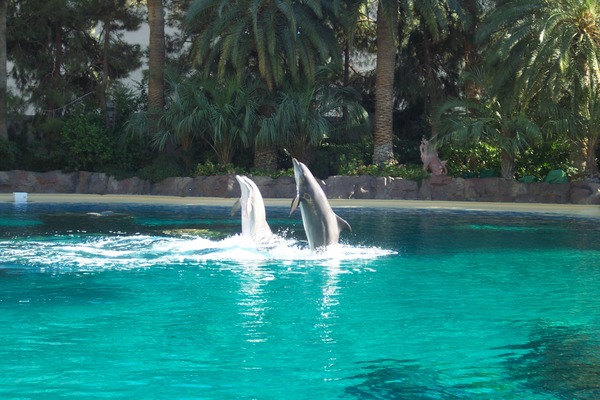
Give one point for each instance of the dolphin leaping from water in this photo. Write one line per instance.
(321, 224)
(254, 222)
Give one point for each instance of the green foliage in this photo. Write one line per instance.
(161, 168)
(56, 56)
(8, 154)
(282, 42)
(273, 174)
(538, 161)
(470, 161)
(412, 172)
(304, 118)
(549, 51)
(222, 112)
(499, 121)
(332, 158)
(354, 167)
(85, 144)
(209, 168)
(298, 101)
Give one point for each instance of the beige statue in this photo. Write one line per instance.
(430, 159)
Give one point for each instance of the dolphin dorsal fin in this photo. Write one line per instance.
(295, 203)
(237, 206)
(342, 224)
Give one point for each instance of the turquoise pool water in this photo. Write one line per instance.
(157, 302)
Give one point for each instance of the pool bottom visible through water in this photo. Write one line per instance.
(171, 302)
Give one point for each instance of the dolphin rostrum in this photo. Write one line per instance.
(321, 224)
(254, 222)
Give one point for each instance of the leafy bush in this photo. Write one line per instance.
(273, 174)
(8, 154)
(356, 167)
(85, 144)
(540, 160)
(209, 168)
(161, 168)
(469, 162)
(331, 158)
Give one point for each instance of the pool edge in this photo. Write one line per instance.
(544, 208)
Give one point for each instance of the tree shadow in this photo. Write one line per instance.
(562, 360)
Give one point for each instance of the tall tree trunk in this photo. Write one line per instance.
(346, 79)
(591, 164)
(387, 23)
(507, 165)
(430, 79)
(3, 70)
(105, 73)
(156, 62)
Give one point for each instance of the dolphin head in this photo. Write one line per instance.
(254, 223)
(299, 173)
(245, 187)
(306, 183)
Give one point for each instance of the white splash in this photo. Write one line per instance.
(91, 253)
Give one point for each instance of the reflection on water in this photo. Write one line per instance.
(400, 379)
(253, 302)
(562, 360)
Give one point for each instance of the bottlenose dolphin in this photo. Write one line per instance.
(321, 224)
(254, 222)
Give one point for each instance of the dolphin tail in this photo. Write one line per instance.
(342, 224)
(295, 203)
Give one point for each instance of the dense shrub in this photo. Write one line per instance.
(85, 144)
(8, 154)
(209, 168)
(161, 168)
(469, 162)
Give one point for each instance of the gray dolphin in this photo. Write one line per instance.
(254, 222)
(321, 224)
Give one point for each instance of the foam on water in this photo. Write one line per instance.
(80, 252)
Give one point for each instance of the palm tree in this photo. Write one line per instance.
(220, 112)
(302, 117)
(283, 40)
(387, 35)
(500, 122)
(156, 61)
(432, 18)
(551, 48)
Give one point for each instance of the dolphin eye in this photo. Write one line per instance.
(306, 196)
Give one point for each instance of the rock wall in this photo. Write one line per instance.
(337, 187)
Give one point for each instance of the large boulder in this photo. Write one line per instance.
(92, 183)
(132, 185)
(350, 187)
(175, 186)
(584, 193)
(442, 187)
(22, 181)
(55, 182)
(216, 186)
(280, 187)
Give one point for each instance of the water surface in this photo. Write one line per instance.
(124, 301)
